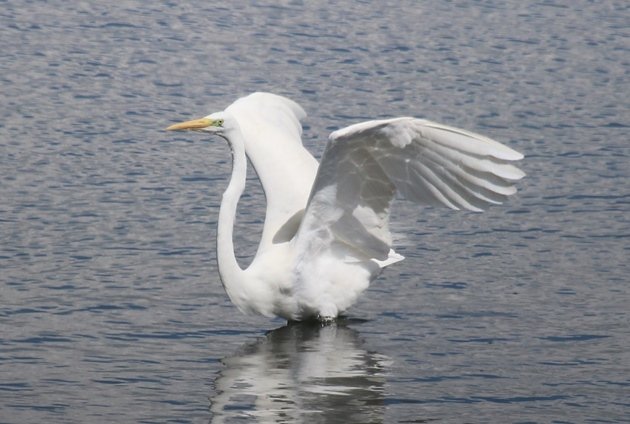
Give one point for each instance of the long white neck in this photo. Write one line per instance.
(232, 276)
(271, 132)
(246, 291)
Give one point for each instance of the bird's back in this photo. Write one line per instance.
(271, 128)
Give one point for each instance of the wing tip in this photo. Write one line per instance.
(391, 259)
(510, 154)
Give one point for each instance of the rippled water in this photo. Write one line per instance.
(110, 304)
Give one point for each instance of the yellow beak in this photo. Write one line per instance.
(195, 124)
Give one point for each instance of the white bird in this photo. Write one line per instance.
(326, 234)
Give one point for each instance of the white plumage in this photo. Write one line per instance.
(326, 234)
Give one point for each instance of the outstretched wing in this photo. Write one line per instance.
(364, 165)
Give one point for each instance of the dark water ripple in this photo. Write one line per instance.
(110, 305)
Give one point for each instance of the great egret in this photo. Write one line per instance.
(326, 235)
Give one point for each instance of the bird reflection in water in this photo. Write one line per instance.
(302, 373)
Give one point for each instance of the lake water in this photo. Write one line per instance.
(110, 305)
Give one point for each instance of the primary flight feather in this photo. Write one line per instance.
(326, 234)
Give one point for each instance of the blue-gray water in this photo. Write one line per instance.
(110, 305)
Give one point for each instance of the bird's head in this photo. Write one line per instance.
(216, 123)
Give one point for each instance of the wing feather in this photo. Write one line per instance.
(470, 183)
(364, 165)
(463, 140)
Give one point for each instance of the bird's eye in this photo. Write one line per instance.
(218, 122)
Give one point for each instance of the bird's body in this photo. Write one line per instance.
(326, 234)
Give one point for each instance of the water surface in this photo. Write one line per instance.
(110, 305)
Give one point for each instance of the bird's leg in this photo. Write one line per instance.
(326, 320)
(327, 314)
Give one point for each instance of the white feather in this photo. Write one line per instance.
(326, 234)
